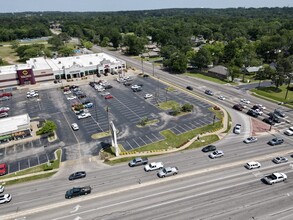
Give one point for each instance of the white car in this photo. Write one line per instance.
(105, 93)
(74, 126)
(32, 95)
(289, 132)
(153, 166)
(4, 108)
(135, 86)
(84, 115)
(258, 111)
(252, 165)
(67, 92)
(245, 101)
(260, 106)
(146, 96)
(216, 154)
(221, 97)
(237, 129)
(250, 140)
(5, 198)
(1, 188)
(71, 97)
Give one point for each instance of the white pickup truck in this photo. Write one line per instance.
(153, 166)
(275, 178)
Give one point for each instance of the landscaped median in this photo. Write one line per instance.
(192, 139)
(37, 172)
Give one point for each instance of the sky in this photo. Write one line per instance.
(129, 5)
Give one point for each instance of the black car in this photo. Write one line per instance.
(78, 191)
(252, 113)
(77, 175)
(209, 148)
(127, 84)
(145, 75)
(279, 113)
(276, 141)
(137, 89)
(275, 119)
(108, 87)
(268, 121)
(189, 88)
(209, 92)
(238, 107)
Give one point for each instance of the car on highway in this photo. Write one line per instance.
(189, 88)
(245, 101)
(71, 97)
(5, 198)
(238, 107)
(209, 148)
(268, 121)
(274, 178)
(138, 161)
(146, 96)
(252, 165)
(258, 111)
(260, 106)
(4, 114)
(280, 160)
(221, 97)
(216, 154)
(250, 140)
(109, 97)
(276, 141)
(78, 191)
(84, 115)
(74, 126)
(153, 166)
(279, 113)
(1, 188)
(289, 131)
(237, 129)
(252, 113)
(209, 92)
(77, 175)
(167, 171)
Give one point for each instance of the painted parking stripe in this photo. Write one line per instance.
(143, 141)
(155, 136)
(149, 139)
(136, 143)
(129, 144)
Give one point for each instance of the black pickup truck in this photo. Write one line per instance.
(138, 161)
(78, 191)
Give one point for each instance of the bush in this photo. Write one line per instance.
(187, 107)
(216, 108)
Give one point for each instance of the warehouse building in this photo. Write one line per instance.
(43, 69)
(14, 128)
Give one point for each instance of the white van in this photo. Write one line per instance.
(252, 165)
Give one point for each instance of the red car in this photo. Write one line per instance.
(6, 94)
(108, 97)
(3, 169)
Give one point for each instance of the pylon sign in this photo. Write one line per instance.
(114, 138)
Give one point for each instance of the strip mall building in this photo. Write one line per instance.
(43, 69)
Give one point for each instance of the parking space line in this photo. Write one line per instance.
(18, 165)
(38, 159)
(143, 141)
(149, 139)
(155, 136)
(136, 143)
(47, 157)
(129, 144)
(182, 128)
(176, 129)
(29, 163)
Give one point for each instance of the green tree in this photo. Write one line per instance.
(177, 62)
(234, 72)
(66, 51)
(87, 44)
(135, 44)
(105, 42)
(187, 107)
(202, 58)
(56, 42)
(48, 128)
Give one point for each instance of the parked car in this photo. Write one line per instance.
(189, 88)
(74, 126)
(209, 148)
(78, 191)
(71, 97)
(250, 140)
(252, 113)
(252, 165)
(289, 131)
(77, 175)
(108, 87)
(5, 198)
(6, 94)
(268, 121)
(167, 171)
(4, 98)
(88, 105)
(127, 83)
(146, 96)
(221, 97)
(280, 160)
(238, 107)
(137, 89)
(216, 154)
(237, 129)
(3, 169)
(135, 86)
(108, 97)
(245, 101)
(279, 113)
(153, 166)
(105, 93)
(209, 92)
(84, 115)
(6, 109)
(276, 141)
(67, 92)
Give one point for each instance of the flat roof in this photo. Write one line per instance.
(12, 68)
(11, 124)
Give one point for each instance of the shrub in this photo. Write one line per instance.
(187, 107)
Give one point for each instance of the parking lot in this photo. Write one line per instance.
(126, 109)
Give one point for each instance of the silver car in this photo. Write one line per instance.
(167, 171)
(216, 154)
(280, 160)
(250, 140)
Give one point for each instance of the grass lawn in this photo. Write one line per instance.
(168, 105)
(155, 121)
(209, 78)
(101, 135)
(170, 89)
(204, 141)
(276, 94)
(8, 54)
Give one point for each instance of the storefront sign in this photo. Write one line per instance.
(25, 76)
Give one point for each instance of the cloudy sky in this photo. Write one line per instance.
(123, 5)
